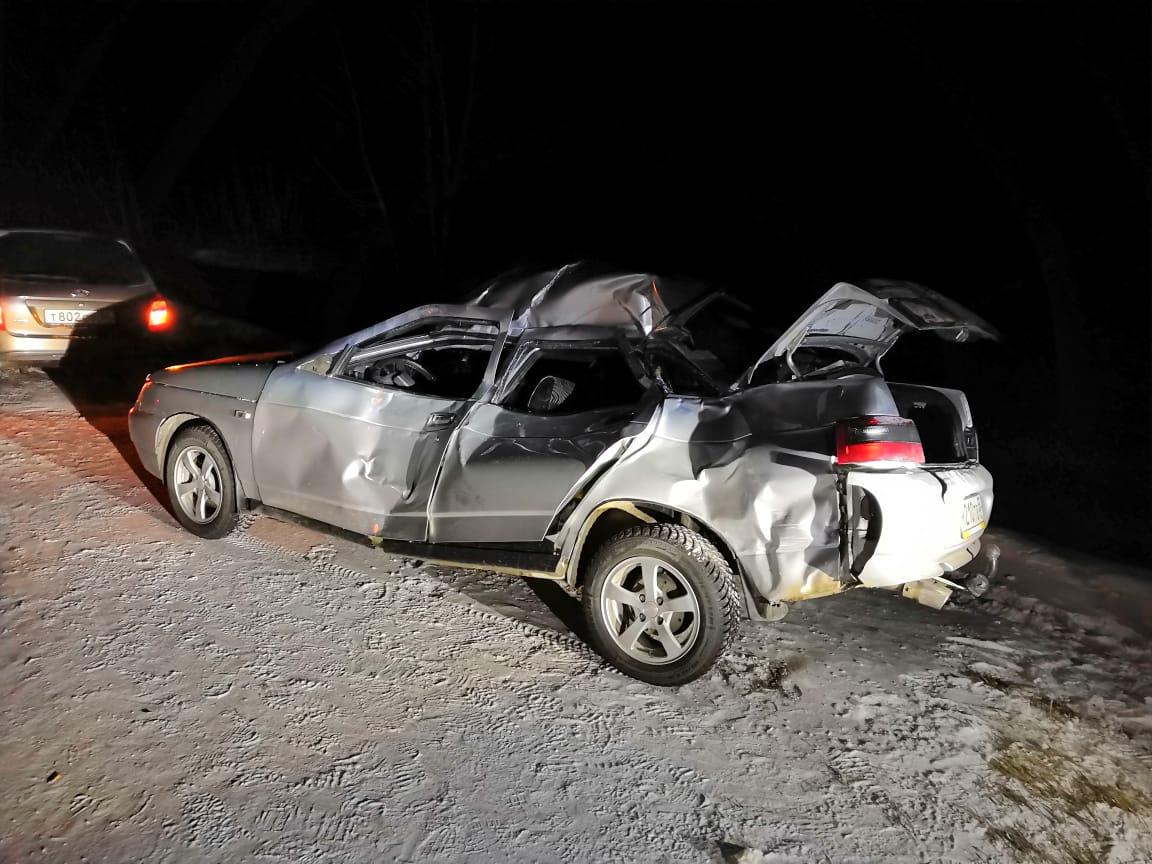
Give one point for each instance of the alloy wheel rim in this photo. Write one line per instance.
(650, 610)
(198, 486)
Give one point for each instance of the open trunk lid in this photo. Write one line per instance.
(868, 319)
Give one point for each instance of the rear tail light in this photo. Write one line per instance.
(1, 319)
(877, 438)
(159, 315)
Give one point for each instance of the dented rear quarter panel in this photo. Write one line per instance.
(756, 469)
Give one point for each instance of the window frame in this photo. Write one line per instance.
(391, 338)
(526, 356)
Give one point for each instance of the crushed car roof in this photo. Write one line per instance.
(580, 294)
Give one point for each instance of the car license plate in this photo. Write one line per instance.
(66, 316)
(972, 516)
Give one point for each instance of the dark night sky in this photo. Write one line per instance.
(995, 151)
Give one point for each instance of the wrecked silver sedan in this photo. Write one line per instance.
(624, 435)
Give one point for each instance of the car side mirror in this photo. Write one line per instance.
(549, 394)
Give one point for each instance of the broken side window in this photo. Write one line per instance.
(722, 339)
(446, 359)
(570, 381)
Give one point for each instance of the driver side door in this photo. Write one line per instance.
(358, 444)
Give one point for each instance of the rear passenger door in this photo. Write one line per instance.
(514, 459)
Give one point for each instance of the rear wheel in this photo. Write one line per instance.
(201, 485)
(662, 603)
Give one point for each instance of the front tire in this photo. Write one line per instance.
(661, 603)
(200, 482)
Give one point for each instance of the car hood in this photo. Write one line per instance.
(239, 377)
(870, 317)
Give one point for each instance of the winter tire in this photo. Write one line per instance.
(201, 485)
(662, 604)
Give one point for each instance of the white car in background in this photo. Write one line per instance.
(52, 280)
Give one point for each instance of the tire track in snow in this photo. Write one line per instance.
(244, 540)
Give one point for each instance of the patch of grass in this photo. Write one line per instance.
(1054, 778)
(1020, 845)
(1052, 707)
(1012, 837)
(1004, 792)
(1049, 705)
(1083, 853)
(1063, 789)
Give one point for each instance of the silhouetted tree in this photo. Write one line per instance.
(219, 91)
(1026, 191)
(446, 93)
(82, 70)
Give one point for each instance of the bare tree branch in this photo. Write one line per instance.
(215, 96)
(362, 140)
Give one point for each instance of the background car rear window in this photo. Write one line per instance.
(602, 379)
(69, 258)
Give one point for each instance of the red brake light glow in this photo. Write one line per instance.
(878, 438)
(159, 315)
(1, 319)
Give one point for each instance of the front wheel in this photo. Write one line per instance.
(662, 603)
(200, 483)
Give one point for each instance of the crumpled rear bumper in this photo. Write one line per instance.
(921, 532)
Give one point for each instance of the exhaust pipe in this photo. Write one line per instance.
(978, 583)
(936, 592)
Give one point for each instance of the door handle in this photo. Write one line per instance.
(439, 420)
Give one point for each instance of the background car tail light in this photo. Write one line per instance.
(877, 438)
(159, 315)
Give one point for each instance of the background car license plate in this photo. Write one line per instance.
(972, 515)
(66, 316)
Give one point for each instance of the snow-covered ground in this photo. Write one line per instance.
(287, 695)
